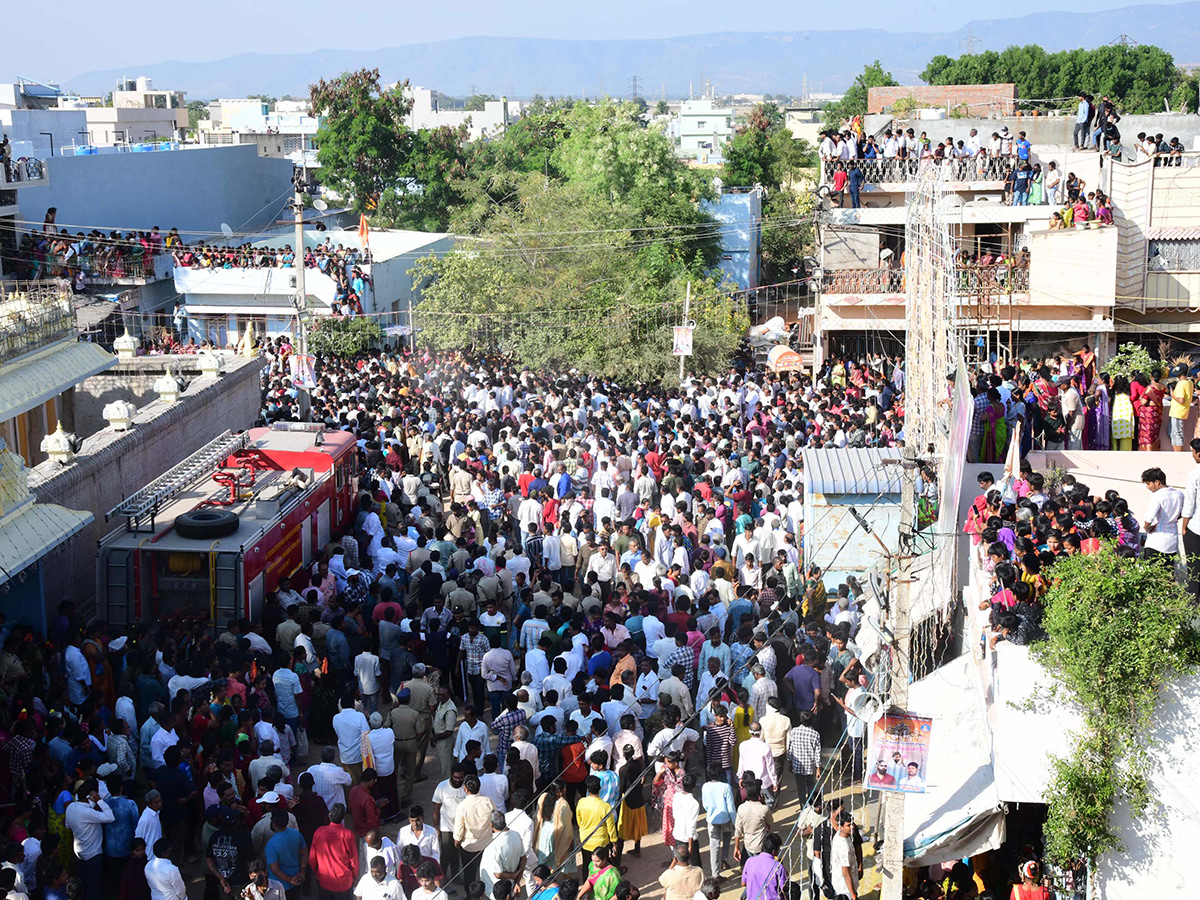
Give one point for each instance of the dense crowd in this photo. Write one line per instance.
(1068, 403)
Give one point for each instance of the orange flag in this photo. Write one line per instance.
(363, 231)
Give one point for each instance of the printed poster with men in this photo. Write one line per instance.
(899, 753)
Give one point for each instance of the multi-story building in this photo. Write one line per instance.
(703, 128)
(221, 303)
(1156, 206)
(1052, 288)
(285, 132)
(493, 119)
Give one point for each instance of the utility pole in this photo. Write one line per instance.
(300, 298)
(687, 309)
(892, 869)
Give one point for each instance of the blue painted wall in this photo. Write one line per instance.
(194, 190)
(740, 216)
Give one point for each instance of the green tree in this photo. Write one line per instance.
(586, 229)
(434, 184)
(197, 111)
(1117, 631)
(749, 158)
(330, 337)
(787, 234)
(1138, 78)
(661, 108)
(363, 144)
(854, 101)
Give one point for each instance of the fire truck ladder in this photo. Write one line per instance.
(223, 578)
(144, 505)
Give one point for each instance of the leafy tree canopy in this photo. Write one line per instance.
(854, 101)
(1137, 78)
(1117, 631)
(363, 145)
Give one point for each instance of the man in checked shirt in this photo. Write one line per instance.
(804, 755)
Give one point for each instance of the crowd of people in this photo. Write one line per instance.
(576, 610)
(55, 252)
(1068, 403)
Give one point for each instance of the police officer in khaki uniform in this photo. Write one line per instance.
(445, 724)
(424, 701)
(409, 728)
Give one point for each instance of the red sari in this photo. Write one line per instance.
(1149, 415)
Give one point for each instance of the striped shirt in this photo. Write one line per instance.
(719, 741)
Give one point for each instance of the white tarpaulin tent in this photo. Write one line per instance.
(960, 814)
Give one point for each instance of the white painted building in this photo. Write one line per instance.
(702, 127)
(220, 303)
(490, 121)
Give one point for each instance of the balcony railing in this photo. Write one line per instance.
(891, 171)
(25, 169)
(33, 314)
(863, 281)
(126, 265)
(971, 280)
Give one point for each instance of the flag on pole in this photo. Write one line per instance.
(363, 231)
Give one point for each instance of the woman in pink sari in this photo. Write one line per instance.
(666, 784)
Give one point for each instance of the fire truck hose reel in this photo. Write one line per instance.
(206, 523)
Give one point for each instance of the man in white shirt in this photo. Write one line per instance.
(86, 818)
(843, 861)
(79, 675)
(163, 738)
(470, 729)
(367, 670)
(350, 725)
(1191, 530)
(377, 884)
(149, 824)
(417, 832)
(1162, 515)
(163, 876)
(503, 857)
(330, 780)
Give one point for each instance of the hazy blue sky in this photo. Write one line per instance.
(82, 35)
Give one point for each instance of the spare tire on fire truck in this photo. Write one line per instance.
(206, 523)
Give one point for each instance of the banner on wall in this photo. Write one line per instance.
(898, 754)
(303, 370)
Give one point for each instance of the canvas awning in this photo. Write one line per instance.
(31, 381)
(961, 813)
(783, 358)
(33, 531)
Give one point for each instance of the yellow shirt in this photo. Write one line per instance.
(597, 825)
(1181, 399)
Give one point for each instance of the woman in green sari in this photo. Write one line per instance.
(603, 876)
(1037, 186)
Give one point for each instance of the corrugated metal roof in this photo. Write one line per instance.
(31, 381)
(850, 471)
(33, 531)
(1178, 233)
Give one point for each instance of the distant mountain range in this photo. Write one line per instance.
(734, 62)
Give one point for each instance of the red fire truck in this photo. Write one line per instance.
(209, 538)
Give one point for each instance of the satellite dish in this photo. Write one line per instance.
(226, 230)
(320, 205)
